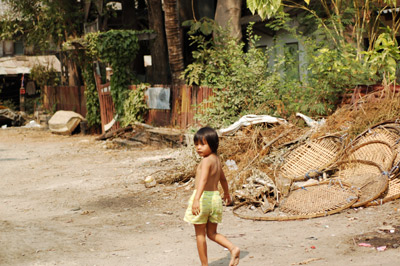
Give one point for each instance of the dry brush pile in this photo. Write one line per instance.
(287, 171)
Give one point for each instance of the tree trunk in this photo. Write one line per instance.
(158, 72)
(73, 73)
(174, 40)
(228, 15)
(129, 16)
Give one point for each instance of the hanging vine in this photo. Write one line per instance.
(92, 97)
(91, 94)
(118, 48)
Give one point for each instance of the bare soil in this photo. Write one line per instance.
(72, 200)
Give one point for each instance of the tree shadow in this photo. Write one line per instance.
(225, 261)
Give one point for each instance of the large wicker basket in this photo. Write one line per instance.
(312, 201)
(313, 156)
(366, 176)
(392, 193)
(373, 150)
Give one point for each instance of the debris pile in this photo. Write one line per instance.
(280, 170)
(327, 169)
(10, 118)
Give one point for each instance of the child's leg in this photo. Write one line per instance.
(201, 243)
(223, 241)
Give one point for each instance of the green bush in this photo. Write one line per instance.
(135, 107)
(245, 83)
(240, 80)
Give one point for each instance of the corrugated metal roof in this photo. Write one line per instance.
(23, 64)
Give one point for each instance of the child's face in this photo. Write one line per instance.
(202, 148)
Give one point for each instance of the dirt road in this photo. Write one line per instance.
(72, 200)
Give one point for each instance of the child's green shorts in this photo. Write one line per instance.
(210, 208)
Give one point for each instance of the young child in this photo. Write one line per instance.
(205, 204)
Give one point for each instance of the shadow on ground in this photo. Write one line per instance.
(225, 261)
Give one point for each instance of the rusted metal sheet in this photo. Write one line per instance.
(374, 93)
(184, 100)
(157, 117)
(191, 99)
(68, 98)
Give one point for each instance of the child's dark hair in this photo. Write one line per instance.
(209, 135)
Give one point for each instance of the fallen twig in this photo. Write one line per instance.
(306, 261)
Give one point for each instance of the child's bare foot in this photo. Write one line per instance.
(235, 256)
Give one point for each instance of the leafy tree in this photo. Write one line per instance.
(266, 8)
(43, 22)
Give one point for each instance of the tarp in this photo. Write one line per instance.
(23, 64)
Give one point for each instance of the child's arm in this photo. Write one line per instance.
(224, 184)
(205, 167)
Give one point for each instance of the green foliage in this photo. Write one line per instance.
(264, 8)
(42, 22)
(245, 83)
(135, 107)
(118, 48)
(44, 75)
(9, 29)
(92, 97)
(239, 79)
(382, 60)
(332, 72)
(205, 26)
(91, 41)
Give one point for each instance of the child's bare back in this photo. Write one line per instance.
(210, 171)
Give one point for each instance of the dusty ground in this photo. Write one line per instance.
(72, 200)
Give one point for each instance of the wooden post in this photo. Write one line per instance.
(22, 95)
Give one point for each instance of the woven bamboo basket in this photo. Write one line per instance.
(389, 132)
(394, 130)
(371, 149)
(395, 124)
(311, 201)
(366, 176)
(314, 155)
(392, 193)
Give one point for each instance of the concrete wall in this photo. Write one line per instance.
(278, 42)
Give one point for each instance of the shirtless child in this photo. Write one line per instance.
(205, 204)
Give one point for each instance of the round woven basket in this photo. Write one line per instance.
(392, 193)
(314, 155)
(366, 176)
(388, 132)
(393, 130)
(370, 149)
(312, 201)
(395, 124)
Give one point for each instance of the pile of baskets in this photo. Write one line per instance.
(364, 173)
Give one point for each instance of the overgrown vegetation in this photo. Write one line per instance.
(44, 75)
(92, 97)
(247, 82)
(135, 106)
(239, 78)
(118, 48)
(43, 23)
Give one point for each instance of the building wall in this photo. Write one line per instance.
(278, 43)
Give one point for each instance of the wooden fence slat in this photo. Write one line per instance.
(183, 100)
